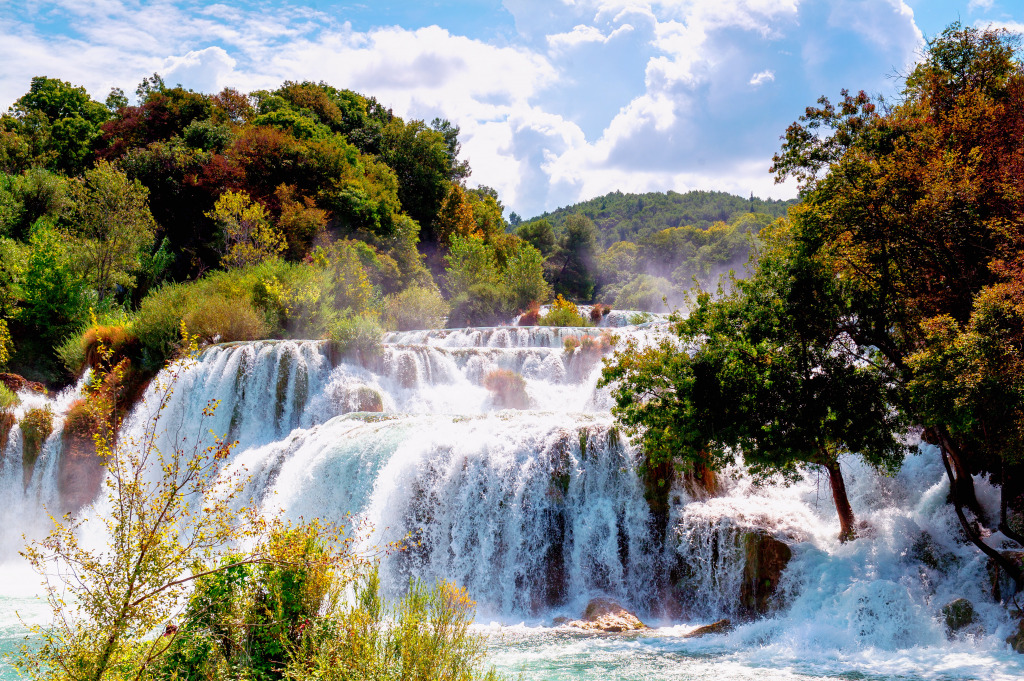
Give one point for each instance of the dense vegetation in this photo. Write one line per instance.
(306, 211)
(891, 298)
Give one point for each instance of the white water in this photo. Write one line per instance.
(537, 511)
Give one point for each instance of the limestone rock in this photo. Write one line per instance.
(719, 627)
(766, 558)
(604, 614)
(79, 474)
(958, 613)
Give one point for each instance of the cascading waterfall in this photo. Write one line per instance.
(538, 510)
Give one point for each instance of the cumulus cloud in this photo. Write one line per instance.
(979, 4)
(587, 96)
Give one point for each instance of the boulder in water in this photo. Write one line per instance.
(1016, 640)
(958, 614)
(766, 558)
(719, 627)
(604, 614)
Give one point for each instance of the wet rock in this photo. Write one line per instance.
(719, 627)
(368, 399)
(560, 620)
(14, 383)
(1016, 639)
(924, 550)
(604, 614)
(1000, 582)
(79, 473)
(958, 614)
(766, 559)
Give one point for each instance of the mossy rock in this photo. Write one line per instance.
(958, 614)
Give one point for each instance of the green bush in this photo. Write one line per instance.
(417, 307)
(8, 399)
(219, 319)
(6, 346)
(356, 336)
(287, 619)
(36, 425)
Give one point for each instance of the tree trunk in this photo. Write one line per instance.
(1005, 490)
(963, 483)
(847, 526)
(999, 558)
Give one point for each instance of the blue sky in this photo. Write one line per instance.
(558, 100)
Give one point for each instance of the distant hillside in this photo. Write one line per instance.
(626, 217)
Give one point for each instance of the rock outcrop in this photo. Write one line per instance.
(79, 474)
(958, 614)
(605, 615)
(16, 383)
(765, 560)
(1016, 639)
(719, 627)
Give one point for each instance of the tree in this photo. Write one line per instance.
(753, 372)
(115, 225)
(249, 238)
(53, 304)
(573, 266)
(915, 209)
(540, 234)
(68, 122)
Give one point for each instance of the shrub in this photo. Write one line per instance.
(508, 389)
(531, 316)
(417, 307)
(8, 399)
(570, 344)
(158, 323)
(36, 425)
(639, 318)
(598, 312)
(222, 319)
(599, 344)
(563, 313)
(81, 419)
(357, 336)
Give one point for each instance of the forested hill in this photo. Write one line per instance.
(626, 217)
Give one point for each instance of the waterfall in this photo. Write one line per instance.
(539, 509)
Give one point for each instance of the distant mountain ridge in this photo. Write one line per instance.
(627, 217)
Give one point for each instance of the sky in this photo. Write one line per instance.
(558, 101)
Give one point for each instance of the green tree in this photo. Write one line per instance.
(752, 372)
(53, 303)
(115, 225)
(573, 266)
(68, 121)
(538, 233)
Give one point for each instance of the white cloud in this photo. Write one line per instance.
(979, 4)
(671, 78)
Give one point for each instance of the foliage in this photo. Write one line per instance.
(159, 542)
(751, 372)
(563, 313)
(6, 344)
(490, 282)
(359, 336)
(417, 307)
(573, 266)
(26, 198)
(631, 217)
(36, 426)
(249, 238)
(645, 293)
(8, 399)
(53, 302)
(115, 225)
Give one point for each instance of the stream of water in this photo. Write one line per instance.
(538, 509)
